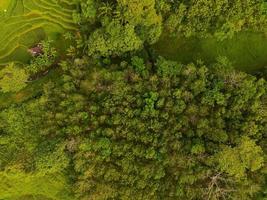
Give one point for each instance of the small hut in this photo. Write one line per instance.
(36, 51)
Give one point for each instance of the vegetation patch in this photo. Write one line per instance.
(133, 100)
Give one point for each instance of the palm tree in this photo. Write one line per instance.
(105, 9)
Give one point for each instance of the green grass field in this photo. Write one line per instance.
(24, 23)
(247, 51)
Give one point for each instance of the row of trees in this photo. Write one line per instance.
(112, 28)
(221, 18)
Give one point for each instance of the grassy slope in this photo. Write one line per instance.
(247, 51)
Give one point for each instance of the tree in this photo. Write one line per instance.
(115, 39)
(118, 27)
(44, 60)
(246, 156)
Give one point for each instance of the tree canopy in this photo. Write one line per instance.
(99, 113)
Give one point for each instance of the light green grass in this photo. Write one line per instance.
(21, 185)
(247, 51)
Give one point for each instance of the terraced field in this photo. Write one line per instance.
(26, 22)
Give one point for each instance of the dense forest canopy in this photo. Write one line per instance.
(133, 99)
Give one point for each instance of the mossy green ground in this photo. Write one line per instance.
(247, 50)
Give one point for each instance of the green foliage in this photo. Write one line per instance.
(43, 61)
(221, 18)
(119, 121)
(139, 66)
(51, 162)
(172, 134)
(115, 39)
(12, 78)
(30, 164)
(246, 156)
(122, 26)
(86, 13)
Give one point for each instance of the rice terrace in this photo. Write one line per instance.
(133, 100)
(26, 22)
